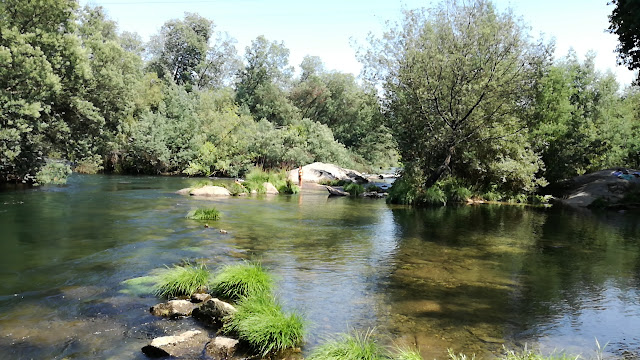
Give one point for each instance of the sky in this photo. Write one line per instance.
(331, 29)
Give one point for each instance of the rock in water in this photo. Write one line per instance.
(318, 172)
(336, 192)
(184, 191)
(222, 347)
(210, 191)
(270, 189)
(173, 308)
(200, 298)
(213, 311)
(189, 344)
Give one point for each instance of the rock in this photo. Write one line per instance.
(213, 311)
(173, 308)
(336, 191)
(184, 191)
(270, 189)
(374, 194)
(223, 231)
(210, 190)
(222, 347)
(200, 298)
(583, 190)
(189, 345)
(318, 172)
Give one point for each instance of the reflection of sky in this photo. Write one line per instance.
(609, 314)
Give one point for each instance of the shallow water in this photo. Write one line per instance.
(468, 278)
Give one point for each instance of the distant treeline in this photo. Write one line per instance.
(458, 90)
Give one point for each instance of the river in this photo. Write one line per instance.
(470, 278)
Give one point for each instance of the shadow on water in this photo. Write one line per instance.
(471, 278)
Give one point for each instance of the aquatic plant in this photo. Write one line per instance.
(289, 188)
(236, 188)
(204, 214)
(242, 280)
(354, 189)
(182, 280)
(263, 325)
(354, 346)
(257, 176)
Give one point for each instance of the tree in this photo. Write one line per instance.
(626, 24)
(456, 79)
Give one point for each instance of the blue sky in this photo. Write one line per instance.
(329, 28)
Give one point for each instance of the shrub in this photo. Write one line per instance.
(204, 214)
(519, 199)
(242, 280)
(335, 182)
(492, 196)
(434, 196)
(354, 189)
(55, 173)
(354, 346)
(459, 194)
(289, 188)
(403, 191)
(182, 280)
(89, 165)
(374, 188)
(261, 323)
(256, 177)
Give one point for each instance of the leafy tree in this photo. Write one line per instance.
(42, 97)
(626, 24)
(455, 80)
(180, 48)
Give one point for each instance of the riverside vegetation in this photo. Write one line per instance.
(104, 100)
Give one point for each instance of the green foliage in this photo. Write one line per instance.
(355, 346)
(335, 182)
(518, 199)
(236, 188)
(242, 280)
(374, 188)
(289, 188)
(354, 189)
(476, 134)
(182, 280)
(405, 190)
(407, 354)
(89, 165)
(625, 25)
(261, 323)
(434, 196)
(454, 356)
(455, 190)
(204, 214)
(54, 173)
(493, 196)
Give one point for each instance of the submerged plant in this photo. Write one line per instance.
(355, 346)
(204, 214)
(242, 280)
(182, 280)
(261, 323)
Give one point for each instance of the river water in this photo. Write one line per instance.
(471, 278)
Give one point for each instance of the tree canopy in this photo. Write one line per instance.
(625, 23)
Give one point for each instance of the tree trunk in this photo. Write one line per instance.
(435, 176)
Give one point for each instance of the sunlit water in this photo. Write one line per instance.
(473, 279)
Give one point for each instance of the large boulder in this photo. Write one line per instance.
(336, 191)
(270, 189)
(210, 190)
(222, 347)
(174, 308)
(189, 344)
(583, 190)
(318, 172)
(213, 311)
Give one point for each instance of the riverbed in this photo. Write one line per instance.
(471, 278)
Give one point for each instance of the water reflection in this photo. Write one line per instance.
(468, 278)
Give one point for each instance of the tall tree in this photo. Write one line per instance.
(625, 23)
(455, 80)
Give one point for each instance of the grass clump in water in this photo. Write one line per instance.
(263, 325)
(242, 280)
(204, 214)
(356, 346)
(182, 280)
(354, 189)
(257, 176)
(408, 354)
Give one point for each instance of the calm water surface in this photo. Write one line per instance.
(470, 278)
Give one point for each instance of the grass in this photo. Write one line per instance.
(257, 176)
(407, 354)
(354, 189)
(238, 281)
(204, 214)
(434, 196)
(182, 280)
(355, 346)
(335, 182)
(289, 188)
(264, 326)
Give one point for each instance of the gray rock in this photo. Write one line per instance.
(184, 191)
(189, 344)
(210, 190)
(200, 298)
(336, 191)
(222, 347)
(174, 308)
(213, 312)
(270, 189)
(318, 172)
